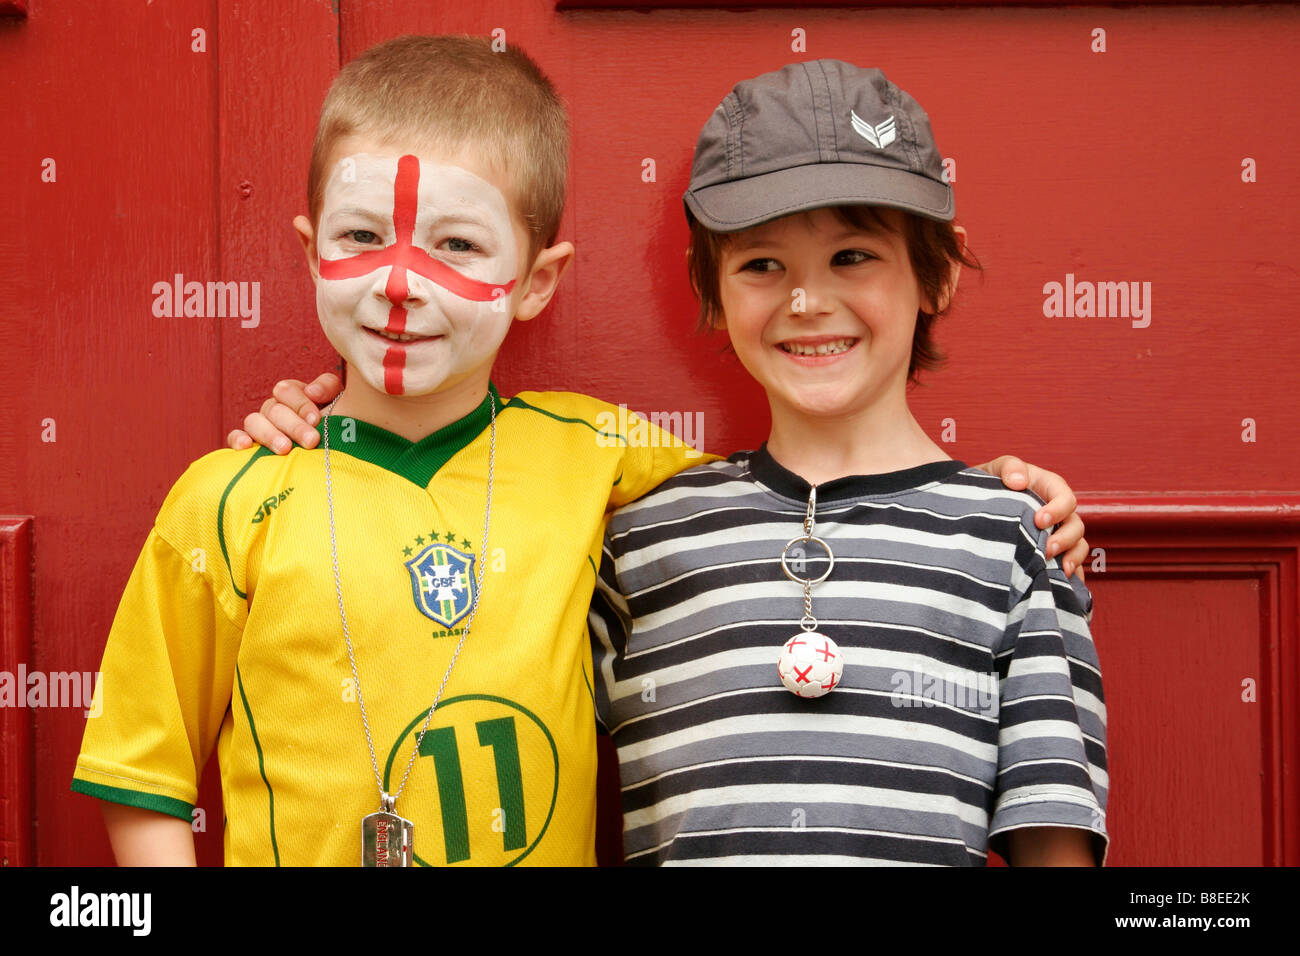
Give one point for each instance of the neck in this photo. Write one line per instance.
(881, 438)
(412, 416)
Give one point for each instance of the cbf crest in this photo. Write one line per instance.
(442, 581)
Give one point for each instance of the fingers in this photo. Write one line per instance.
(288, 416)
(292, 393)
(260, 429)
(324, 388)
(293, 424)
(1010, 469)
(1061, 503)
(1061, 508)
(1013, 472)
(1075, 559)
(293, 413)
(1066, 537)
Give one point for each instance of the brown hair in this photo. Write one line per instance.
(449, 92)
(932, 246)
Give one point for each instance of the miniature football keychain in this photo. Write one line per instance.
(810, 664)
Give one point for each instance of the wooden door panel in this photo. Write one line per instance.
(1195, 623)
(1185, 751)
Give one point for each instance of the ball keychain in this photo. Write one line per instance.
(810, 663)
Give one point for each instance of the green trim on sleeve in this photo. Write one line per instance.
(136, 798)
(261, 763)
(221, 515)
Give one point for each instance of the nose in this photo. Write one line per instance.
(404, 288)
(809, 298)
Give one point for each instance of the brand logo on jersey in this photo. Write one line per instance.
(879, 136)
(266, 507)
(442, 580)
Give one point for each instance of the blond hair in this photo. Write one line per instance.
(449, 92)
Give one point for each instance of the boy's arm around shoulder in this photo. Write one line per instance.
(167, 673)
(1052, 778)
(651, 453)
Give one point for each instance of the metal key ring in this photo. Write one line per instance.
(830, 560)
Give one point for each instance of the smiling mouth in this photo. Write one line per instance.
(401, 338)
(813, 349)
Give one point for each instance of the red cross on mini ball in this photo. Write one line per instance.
(810, 664)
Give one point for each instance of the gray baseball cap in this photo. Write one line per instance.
(822, 133)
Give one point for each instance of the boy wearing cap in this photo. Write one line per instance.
(968, 713)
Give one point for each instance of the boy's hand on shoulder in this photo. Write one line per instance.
(287, 417)
(1068, 539)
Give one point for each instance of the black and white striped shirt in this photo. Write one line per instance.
(971, 701)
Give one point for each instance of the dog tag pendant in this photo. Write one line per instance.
(386, 838)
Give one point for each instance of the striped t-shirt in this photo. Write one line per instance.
(971, 700)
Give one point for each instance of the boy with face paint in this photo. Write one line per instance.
(385, 639)
(410, 322)
(309, 615)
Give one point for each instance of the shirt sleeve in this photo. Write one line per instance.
(164, 687)
(652, 455)
(608, 623)
(1052, 715)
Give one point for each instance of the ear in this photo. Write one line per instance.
(950, 288)
(543, 279)
(302, 226)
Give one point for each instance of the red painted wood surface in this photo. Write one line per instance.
(1123, 165)
(17, 778)
(858, 5)
(1196, 615)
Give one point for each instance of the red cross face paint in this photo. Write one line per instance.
(414, 257)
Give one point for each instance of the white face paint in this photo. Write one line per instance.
(413, 256)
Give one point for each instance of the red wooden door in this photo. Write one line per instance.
(173, 139)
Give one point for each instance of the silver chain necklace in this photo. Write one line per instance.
(386, 838)
(810, 663)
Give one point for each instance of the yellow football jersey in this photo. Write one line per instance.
(229, 634)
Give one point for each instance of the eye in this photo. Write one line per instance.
(362, 237)
(761, 265)
(851, 257)
(457, 244)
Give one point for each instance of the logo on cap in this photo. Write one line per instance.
(878, 136)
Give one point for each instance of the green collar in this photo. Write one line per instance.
(416, 461)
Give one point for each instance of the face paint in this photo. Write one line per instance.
(419, 250)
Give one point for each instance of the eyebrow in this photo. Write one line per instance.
(364, 213)
(463, 217)
(387, 217)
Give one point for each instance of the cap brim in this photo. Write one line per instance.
(741, 204)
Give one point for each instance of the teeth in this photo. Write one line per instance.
(825, 348)
(402, 337)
